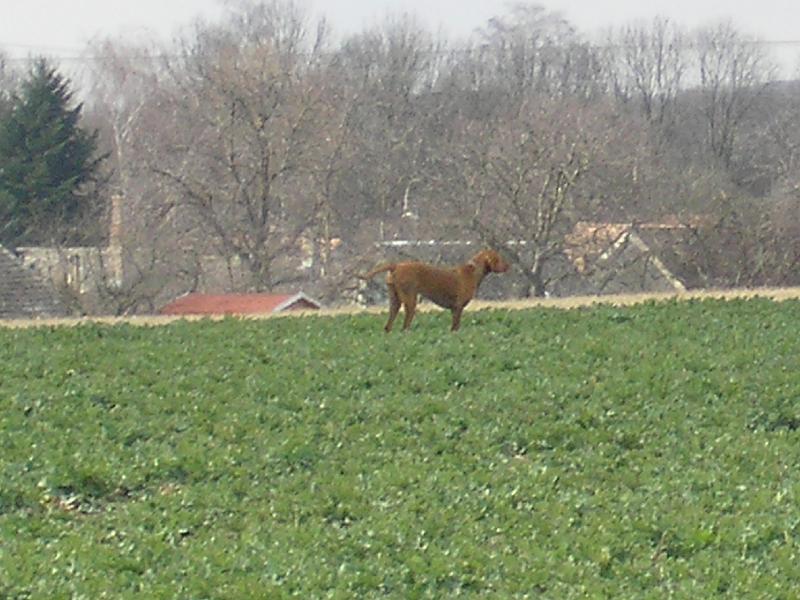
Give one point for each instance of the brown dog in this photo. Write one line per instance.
(451, 288)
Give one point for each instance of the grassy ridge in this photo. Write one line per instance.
(609, 452)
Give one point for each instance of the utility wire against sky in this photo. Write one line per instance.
(75, 54)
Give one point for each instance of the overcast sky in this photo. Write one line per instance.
(60, 28)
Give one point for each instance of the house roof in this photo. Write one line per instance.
(598, 249)
(24, 294)
(225, 304)
(588, 240)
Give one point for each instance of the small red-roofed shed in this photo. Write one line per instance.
(238, 304)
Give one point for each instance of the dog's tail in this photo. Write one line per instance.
(376, 270)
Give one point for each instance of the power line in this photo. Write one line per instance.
(73, 52)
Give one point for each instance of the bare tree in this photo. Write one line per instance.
(647, 64)
(519, 180)
(733, 72)
(742, 245)
(144, 263)
(249, 123)
(772, 140)
(530, 50)
(391, 70)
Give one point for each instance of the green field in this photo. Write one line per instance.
(642, 452)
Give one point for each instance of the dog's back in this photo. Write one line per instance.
(441, 286)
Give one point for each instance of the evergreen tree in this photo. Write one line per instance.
(46, 160)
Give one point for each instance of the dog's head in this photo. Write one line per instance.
(492, 261)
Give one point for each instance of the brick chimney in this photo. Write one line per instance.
(114, 252)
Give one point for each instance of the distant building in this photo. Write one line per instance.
(24, 293)
(79, 272)
(611, 258)
(238, 304)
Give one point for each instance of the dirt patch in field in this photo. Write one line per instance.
(777, 294)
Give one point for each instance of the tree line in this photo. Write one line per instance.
(252, 140)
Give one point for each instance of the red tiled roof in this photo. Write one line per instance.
(224, 304)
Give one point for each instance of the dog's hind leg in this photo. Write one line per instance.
(410, 303)
(394, 307)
